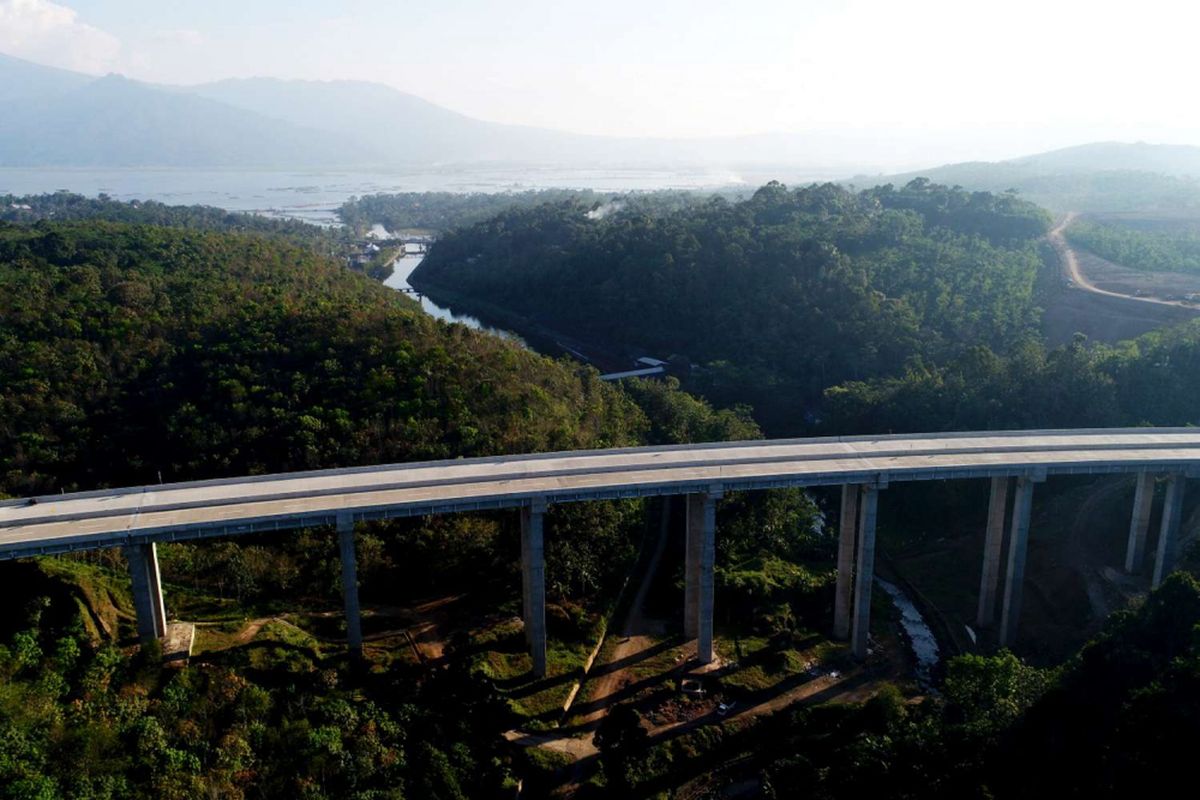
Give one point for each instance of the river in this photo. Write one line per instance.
(403, 267)
(920, 635)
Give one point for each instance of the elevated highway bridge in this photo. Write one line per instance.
(138, 518)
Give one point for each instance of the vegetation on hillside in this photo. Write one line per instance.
(82, 718)
(441, 211)
(778, 296)
(70, 207)
(1152, 380)
(132, 351)
(1115, 721)
(1158, 248)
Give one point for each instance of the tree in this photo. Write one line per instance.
(622, 741)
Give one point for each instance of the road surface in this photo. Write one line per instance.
(110, 518)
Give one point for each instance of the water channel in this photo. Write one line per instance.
(920, 635)
(403, 267)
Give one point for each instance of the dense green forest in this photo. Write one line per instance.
(326, 240)
(134, 353)
(70, 207)
(441, 211)
(130, 351)
(1150, 247)
(1151, 380)
(776, 297)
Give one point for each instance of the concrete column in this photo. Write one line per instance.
(693, 549)
(864, 574)
(708, 552)
(993, 545)
(147, 591)
(1018, 544)
(533, 571)
(845, 560)
(1168, 533)
(345, 530)
(1139, 525)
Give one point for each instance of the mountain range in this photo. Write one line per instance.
(1111, 177)
(54, 117)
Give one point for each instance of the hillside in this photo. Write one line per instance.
(131, 350)
(1166, 159)
(116, 122)
(1100, 177)
(22, 80)
(776, 297)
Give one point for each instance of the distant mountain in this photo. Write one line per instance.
(55, 117)
(410, 129)
(1179, 160)
(401, 127)
(20, 80)
(1114, 177)
(115, 122)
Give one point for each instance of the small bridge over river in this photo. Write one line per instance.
(1014, 462)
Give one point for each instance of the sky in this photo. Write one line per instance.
(987, 78)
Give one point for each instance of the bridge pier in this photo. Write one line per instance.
(1018, 545)
(345, 530)
(847, 533)
(864, 573)
(147, 591)
(699, 564)
(993, 547)
(708, 556)
(533, 582)
(693, 549)
(1139, 524)
(1168, 532)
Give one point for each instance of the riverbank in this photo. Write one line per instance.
(537, 336)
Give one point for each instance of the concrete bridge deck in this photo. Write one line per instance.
(139, 517)
(87, 520)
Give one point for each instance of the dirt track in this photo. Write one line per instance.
(1071, 266)
(1101, 314)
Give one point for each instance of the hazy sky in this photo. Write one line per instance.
(1005, 76)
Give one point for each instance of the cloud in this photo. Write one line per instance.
(48, 33)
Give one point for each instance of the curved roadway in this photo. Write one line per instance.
(1057, 237)
(86, 520)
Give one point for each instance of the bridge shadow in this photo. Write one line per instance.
(634, 658)
(526, 684)
(703, 764)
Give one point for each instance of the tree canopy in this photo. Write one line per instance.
(787, 292)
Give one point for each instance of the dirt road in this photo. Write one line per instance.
(1070, 262)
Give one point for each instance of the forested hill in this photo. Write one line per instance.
(128, 351)
(65, 206)
(790, 290)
